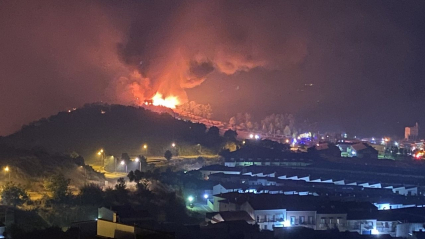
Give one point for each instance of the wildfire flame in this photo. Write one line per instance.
(169, 101)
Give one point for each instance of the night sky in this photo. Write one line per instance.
(355, 66)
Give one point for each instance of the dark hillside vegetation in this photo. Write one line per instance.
(31, 167)
(117, 129)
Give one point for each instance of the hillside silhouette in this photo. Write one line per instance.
(31, 167)
(117, 129)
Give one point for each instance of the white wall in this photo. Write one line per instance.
(306, 214)
(267, 219)
(114, 230)
(404, 229)
(339, 221)
(106, 214)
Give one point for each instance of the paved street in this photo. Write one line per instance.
(200, 208)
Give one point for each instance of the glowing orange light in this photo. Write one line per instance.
(169, 101)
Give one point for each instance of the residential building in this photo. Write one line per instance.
(359, 150)
(271, 210)
(227, 216)
(124, 214)
(212, 169)
(108, 229)
(411, 133)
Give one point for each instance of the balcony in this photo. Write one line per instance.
(331, 225)
(270, 220)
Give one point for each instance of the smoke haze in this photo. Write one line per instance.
(240, 56)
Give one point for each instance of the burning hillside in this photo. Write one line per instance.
(169, 101)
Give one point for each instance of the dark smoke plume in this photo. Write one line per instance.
(200, 37)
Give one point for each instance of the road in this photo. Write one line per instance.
(200, 208)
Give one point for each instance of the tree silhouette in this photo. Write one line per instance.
(168, 155)
(13, 194)
(121, 185)
(135, 176)
(230, 135)
(58, 186)
(91, 194)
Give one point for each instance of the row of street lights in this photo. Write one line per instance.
(190, 199)
(145, 148)
(101, 152)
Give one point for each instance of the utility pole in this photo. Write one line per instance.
(7, 170)
(115, 164)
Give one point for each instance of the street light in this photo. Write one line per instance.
(190, 199)
(123, 163)
(85, 173)
(140, 163)
(173, 145)
(145, 147)
(206, 198)
(200, 148)
(7, 170)
(101, 152)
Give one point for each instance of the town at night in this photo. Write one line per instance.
(224, 119)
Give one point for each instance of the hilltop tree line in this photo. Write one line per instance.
(193, 108)
(283, 124)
